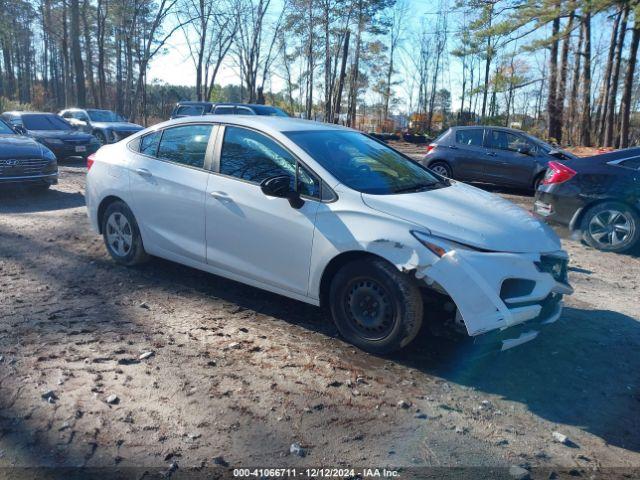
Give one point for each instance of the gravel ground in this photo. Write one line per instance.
(237, 375)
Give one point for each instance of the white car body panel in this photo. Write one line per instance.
(169, 200)
(258, 237)
(229, 227)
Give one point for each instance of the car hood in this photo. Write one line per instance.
(60, 134)
(120, 126)
(471, 216)
(17, 146)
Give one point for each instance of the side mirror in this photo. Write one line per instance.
(524, 150)
(280, 187)
(19, 129)
(556, 153)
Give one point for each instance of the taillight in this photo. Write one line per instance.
(430, 147)
(558, 173)
(90, 159)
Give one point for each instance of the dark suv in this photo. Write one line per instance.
(497, 155)
(188, 108)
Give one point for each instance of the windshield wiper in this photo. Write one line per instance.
(418, 188)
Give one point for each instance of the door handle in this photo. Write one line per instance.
(491, 154)
(143, 172)
(453, 147)
(222, 196)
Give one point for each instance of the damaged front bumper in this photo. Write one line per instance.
(495, 291)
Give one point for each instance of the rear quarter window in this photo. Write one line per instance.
(149, 144)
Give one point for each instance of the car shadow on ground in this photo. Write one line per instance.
(580, 371)
(25, 199)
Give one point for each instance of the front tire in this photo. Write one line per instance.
(611, 227)
(102, 139)
(374, 306)
(122, 236)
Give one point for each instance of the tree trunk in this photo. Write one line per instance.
(625, 105)
(615, 76)
(341, 78)
(606, 79)
(552, 98)
(487, 67)
(89, 50)
(564, 73)
(81, 93)
(573, 99)
(585, 122)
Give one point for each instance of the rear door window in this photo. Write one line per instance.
(186, 144)
(470, 137)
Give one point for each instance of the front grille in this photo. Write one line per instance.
(22, 167)
(556, 266)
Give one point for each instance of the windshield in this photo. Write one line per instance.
(44, 122)
(270, 111)
(5, 129)
(364, 164)
(104, 116)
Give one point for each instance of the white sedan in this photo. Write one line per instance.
(328, 216)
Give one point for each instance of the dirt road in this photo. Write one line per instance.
(237, 375)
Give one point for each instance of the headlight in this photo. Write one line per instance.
(48, 154)
(439, 246)
(53, 141)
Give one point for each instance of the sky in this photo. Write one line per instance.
(176, 67)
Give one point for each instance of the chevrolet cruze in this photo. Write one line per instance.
(328, 216)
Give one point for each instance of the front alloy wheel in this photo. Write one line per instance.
(611, 226)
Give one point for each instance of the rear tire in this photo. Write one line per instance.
(611, 227)
(374, 306)
(441, 168)
(122, 236)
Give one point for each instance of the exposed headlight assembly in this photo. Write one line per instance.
(439, 246)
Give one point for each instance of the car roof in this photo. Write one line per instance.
(23, 113)
(266, 123)
(496, 127)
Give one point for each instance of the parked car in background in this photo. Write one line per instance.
(331, 216)
(189, 108)
(53, 132)
(105, 125)
(597, 196)
(25, 161)
(496, 155)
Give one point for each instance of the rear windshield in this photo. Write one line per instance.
(44, 122)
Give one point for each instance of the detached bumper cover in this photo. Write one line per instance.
(474, 280)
